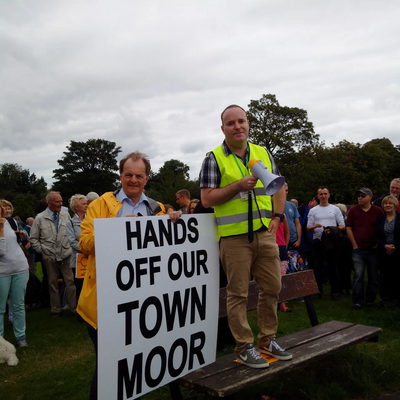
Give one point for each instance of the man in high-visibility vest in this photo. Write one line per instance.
(247, 220)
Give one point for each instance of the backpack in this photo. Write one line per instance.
(295, 263)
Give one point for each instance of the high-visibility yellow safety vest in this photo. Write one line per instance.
(232, 216)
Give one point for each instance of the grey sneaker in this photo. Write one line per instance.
(276, 351)
(21, 342)
(251, 357)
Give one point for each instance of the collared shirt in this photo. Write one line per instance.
(210, 175)
(128, 207)
(55, 217)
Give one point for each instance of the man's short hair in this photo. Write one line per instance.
(183, 192)
(136, 156)
(29, 219)
(49, 196)
(231, 106)
(92, 196)
(324, 187)
(397, 180)
(390, 199)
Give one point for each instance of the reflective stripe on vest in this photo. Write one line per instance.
(233, 219)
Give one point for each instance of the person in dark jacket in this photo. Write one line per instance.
(394, 190)
(388, 238)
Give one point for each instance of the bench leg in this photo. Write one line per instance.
(175, 390)
(311, 311)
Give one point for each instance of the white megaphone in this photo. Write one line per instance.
(272, 183)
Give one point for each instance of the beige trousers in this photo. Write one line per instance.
(52, 268)
(240, 259)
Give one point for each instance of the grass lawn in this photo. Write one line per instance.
(59, 362)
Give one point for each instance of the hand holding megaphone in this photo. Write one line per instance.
(272, 183)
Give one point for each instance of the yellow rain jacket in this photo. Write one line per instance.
(106, 206)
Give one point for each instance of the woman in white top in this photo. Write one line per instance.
(14, 275)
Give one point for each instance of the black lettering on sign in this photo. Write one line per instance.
(145, 331)
(198, 305)
(165, 362)
(174, 257)
(201, 261)
(174, 372)
(125, 286)
(157, 351)
(130, 235)
(178, 264)
(176, 307)
(179, 231)
(127, 308)
(165, 231)
(150, 235)
(127, 381)
(192, 223)
(195, 349)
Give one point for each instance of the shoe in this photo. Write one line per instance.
(283, 307)
(251, 357)
(276, 351)
(21, 342)
(357, 307)
(66, 307)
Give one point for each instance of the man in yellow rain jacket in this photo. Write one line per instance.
(130, 201)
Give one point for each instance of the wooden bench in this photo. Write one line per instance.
(225, 377)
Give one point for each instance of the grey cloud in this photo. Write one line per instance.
(154, 76)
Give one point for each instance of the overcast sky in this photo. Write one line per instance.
(154, 76)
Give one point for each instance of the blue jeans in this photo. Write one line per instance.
(16, 285)
(365, 258)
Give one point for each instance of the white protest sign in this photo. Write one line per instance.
(157, 296)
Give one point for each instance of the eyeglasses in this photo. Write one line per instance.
(361, 195)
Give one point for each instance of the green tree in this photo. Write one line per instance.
(302, 172)
(21, 188)
(344, 168)
(87, 166)
(171, 177)
(282, 130)
(393, 162)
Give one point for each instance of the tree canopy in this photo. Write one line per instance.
(87, 166)
(172, 176)
(23, 189)
(307, 163)
(344, 168)
(282, 130)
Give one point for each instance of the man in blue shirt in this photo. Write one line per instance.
(292, 216)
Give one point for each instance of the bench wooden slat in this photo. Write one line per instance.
(226, 377)
(309, 334)
(298, 284)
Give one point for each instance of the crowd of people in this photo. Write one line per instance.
(261, 237)
(338, 240)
